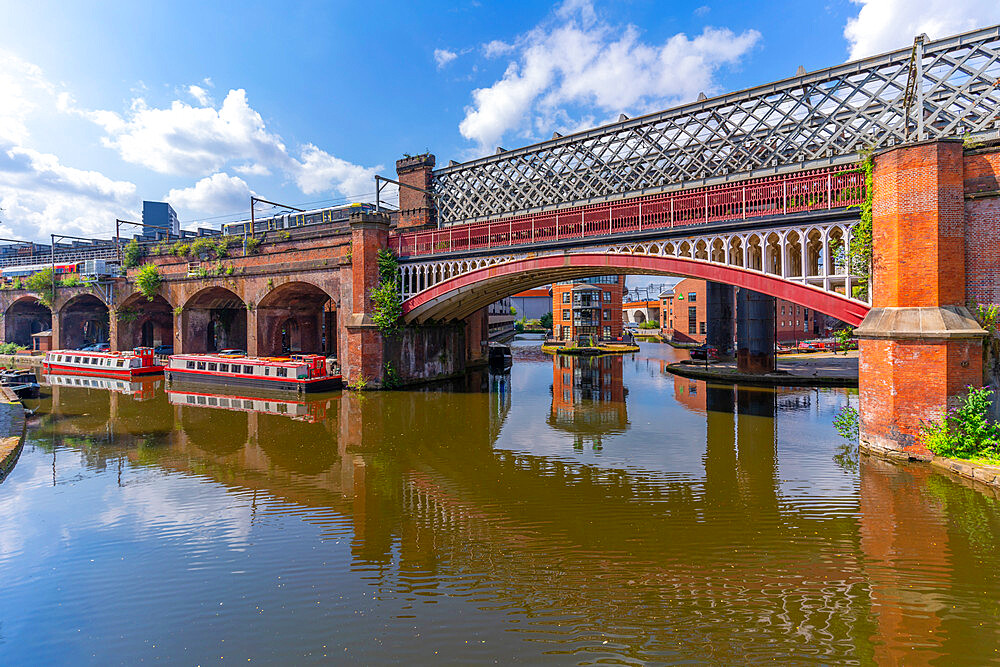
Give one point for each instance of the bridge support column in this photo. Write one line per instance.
(920, 346)
(754, 332)
(364, 353)
(719, 305)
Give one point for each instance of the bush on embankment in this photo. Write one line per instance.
(966, 431)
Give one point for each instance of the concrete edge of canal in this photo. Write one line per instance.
(12, 425)
(700, 372)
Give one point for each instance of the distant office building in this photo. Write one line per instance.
(159, 214)
(588, 307)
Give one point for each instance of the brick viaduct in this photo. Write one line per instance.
(936, 219)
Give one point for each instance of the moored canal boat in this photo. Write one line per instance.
(302, 373)
(139, 361)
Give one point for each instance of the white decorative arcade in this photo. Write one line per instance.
(811, 254)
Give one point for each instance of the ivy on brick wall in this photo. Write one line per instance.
(859, 255)
(388, 305)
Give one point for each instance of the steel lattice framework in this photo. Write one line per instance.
(936, 89)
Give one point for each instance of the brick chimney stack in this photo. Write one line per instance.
(416, 209)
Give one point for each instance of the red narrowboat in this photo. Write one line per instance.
(302, 373)
(139, 361)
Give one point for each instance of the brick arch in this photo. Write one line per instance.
(141, 321)
(213, 318)
(463, 295)
(25, 316)
(84, 319)
(297, 316)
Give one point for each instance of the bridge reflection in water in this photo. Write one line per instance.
(772, 551)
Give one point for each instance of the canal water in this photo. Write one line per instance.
(570, 512)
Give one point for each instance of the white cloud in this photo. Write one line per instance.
(40, 196)
(191, 141)
(567, 68)
(255, 169)
(199, 141)
(22, 87)
(212, 195)
(885, 25)
(200, 95)
(702, 11)
(319, 171)
(443, 56)
(497, 48)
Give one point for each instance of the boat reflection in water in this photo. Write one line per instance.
(310, 411)
(588, 398)
(141, 389)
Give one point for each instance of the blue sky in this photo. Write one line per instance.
(103, 105)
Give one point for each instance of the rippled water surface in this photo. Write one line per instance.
(572, 512)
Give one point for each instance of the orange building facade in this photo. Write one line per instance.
(588, 307)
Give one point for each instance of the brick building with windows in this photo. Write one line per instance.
(683, 316)
(588, 307)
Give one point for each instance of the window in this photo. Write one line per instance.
(190, 365)
(212, 366)
(281, 372)
(782, 309)
(692, 296)
(607, 314)
(267, 370)
(248, 370)
(565, 297)
(566, 315)
(223, 368)
(692, 320)
(76, 360)
(607, 332)
(701, 328)
(120, 364)
(201, 365)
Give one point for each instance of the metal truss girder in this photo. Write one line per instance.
(825, 115)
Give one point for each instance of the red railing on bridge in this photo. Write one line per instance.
(815, 190)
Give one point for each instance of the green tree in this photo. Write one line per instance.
(132, 254)
(148, 281)
(545, 321)
(41, 283)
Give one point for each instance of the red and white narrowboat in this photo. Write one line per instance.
(303, 373)
(139, 361)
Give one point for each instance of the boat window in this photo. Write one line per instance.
(223, 368)
(201, 365)
(282, 408)
(121, 363)
(248, 404)
(212, 366)
(281, 372)
(76, 360)
(224, 402)
(191, 400)
(190, 364)
(267, 370)
(248, 370)
(201, 400)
